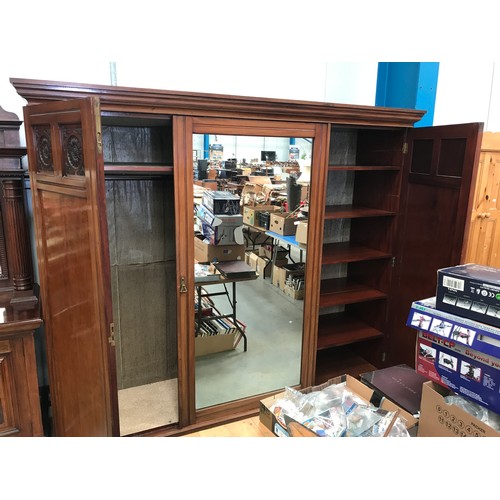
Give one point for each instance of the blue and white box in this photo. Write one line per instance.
(458, 353)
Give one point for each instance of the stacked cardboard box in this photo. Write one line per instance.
(221, 228)
(457, 353)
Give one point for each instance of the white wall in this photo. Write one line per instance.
(315, 50)
(466, 91)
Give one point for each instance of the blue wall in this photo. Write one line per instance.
(408, 85)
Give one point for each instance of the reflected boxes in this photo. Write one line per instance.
(283, 224)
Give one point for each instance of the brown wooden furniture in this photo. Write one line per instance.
(20, 413)
(19, 312)
(388, 205)
(484, 232)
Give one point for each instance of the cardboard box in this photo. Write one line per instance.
(281, 273)
(457, 353)
(471, 291)
(263, 267)
(301, 232)
(440, 419)
(205, 252)
(210, 344)
(250, 213)
(282, 224)
(252, 259)
(268, 419)
(221, 202)
(268, 250)
(293, 293)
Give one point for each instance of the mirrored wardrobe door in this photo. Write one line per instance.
(250, 194)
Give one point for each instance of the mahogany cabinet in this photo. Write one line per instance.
(20, 413)
(111, 170)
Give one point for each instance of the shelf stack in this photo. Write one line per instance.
(360, 218)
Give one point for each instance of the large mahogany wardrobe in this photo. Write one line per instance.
(111, 172)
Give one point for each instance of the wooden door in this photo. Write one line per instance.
(66, 172)
(439, 175)
(484, 232)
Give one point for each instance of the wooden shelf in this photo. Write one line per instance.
(331, 363)
(337, 253)
(333, 168)
(339, 291)
(138, 169)
(352, 212)
(340, 329)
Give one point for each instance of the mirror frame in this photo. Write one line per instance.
(184, 128)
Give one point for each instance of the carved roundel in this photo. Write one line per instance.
(43, 150)
(73, 151)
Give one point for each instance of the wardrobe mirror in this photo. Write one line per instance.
(251, 195)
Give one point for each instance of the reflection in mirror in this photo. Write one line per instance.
(250, 216)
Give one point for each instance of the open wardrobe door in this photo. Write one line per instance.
(438, 187)
(66, 173)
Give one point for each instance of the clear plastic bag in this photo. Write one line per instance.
(470, 407)
(331, 423)
(335, 411)
(487, 416)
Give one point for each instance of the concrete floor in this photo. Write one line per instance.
(272, 361)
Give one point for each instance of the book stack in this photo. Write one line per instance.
(213, 322)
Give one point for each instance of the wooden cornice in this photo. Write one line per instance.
(139, 100)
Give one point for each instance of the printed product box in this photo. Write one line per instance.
(205, 252)
(223, 234)
(282, 224)
(458, 353)
(268, 419)
(441, 419)
(221, 202)
(471, 291)
(206, 216)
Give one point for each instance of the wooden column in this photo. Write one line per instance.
(18, 241)
(15, 245)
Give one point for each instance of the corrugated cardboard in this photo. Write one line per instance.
(250, 213)
(439, 419)
(281, 273)
(211, 344)
(268, 419)
(282, 224)
(301, 233)
(204, 252)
